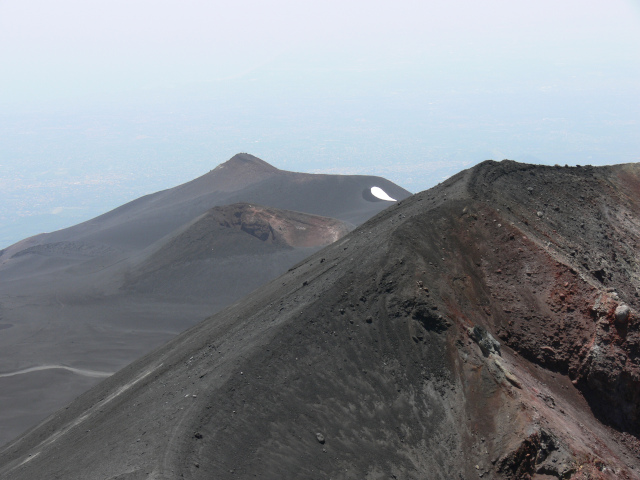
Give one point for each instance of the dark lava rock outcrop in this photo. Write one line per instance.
(486, 328)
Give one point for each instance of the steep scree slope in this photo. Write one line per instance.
(485, 328)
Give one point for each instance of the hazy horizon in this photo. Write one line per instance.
(105, 101)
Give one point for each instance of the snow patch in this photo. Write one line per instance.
(381, 194)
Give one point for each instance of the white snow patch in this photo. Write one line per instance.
(381, 194)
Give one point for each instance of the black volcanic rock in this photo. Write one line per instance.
(98, 295)
(364, 360)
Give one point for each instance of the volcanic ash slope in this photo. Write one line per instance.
(485, 328)
(101, 294)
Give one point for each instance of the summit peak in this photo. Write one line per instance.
(246, 160)
(239, 171)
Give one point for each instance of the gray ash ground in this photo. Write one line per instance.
(475, 330)
(98, 295)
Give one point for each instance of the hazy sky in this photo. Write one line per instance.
(68, 49)
(103, 101)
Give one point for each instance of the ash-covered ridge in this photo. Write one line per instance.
(486, 328)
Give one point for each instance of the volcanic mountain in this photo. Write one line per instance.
(486, 328)
(78, 304)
